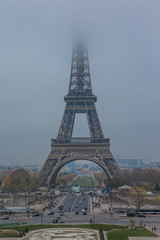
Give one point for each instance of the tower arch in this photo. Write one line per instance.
(53, 175)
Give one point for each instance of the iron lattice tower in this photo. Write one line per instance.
(65, 148)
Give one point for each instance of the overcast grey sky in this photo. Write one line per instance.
(35, 59)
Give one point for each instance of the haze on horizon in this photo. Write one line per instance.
(124, 54)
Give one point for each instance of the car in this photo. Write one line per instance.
(76, 212)
(141, 215)
(36, 214)
(80, 202)
(60, 221)
(76, 206)
(58, 217)
(57, 221)
(5, 218)
(131, 214)
(50, 213)
(123, 215)
(84, 213)
(85, 208)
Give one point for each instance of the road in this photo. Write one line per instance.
(80, 218)
(73, 214)
(75, 203)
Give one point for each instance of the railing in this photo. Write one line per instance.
(80, 140)
(12, 224)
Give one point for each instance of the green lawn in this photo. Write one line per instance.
(124, 234)
(7, 233)
(105, 227)
(85, 182)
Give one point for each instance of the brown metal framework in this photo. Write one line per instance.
(64, 148)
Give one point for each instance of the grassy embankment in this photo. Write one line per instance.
(105, 227)
(124, 234)
(8, 233)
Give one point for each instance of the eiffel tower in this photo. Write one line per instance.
(65, 148)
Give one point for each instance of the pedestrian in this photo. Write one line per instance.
(152, 229)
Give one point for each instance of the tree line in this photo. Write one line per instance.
(148, 178)
(64, 179)
(19, 180)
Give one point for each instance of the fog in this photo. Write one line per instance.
(36, 39)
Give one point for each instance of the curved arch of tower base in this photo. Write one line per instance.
(62, 154)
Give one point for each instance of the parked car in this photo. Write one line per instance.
(84, 213)
(5, 218)
(131, 214)
(141, 215)
(123, 215)
(76, 212)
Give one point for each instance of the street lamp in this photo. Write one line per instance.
(2, 203)
(41, 217)
(93, 217)
(110, 194)
(93, 210)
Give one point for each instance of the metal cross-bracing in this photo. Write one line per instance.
(80, 81)
(65, 148)
(80, 106)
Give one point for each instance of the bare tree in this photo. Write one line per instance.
(138, 196)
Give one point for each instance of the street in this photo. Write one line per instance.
(77, 209)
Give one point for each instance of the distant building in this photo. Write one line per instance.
(153, 164)
(78, 171)
(130, 163)
(86, 172)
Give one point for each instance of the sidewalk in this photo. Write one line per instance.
(154, 229)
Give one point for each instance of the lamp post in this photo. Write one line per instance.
(93, 210)
(2, 203)
(41, 217)
(94, 220)
(111, 198)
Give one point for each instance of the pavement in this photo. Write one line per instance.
(154, 229)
